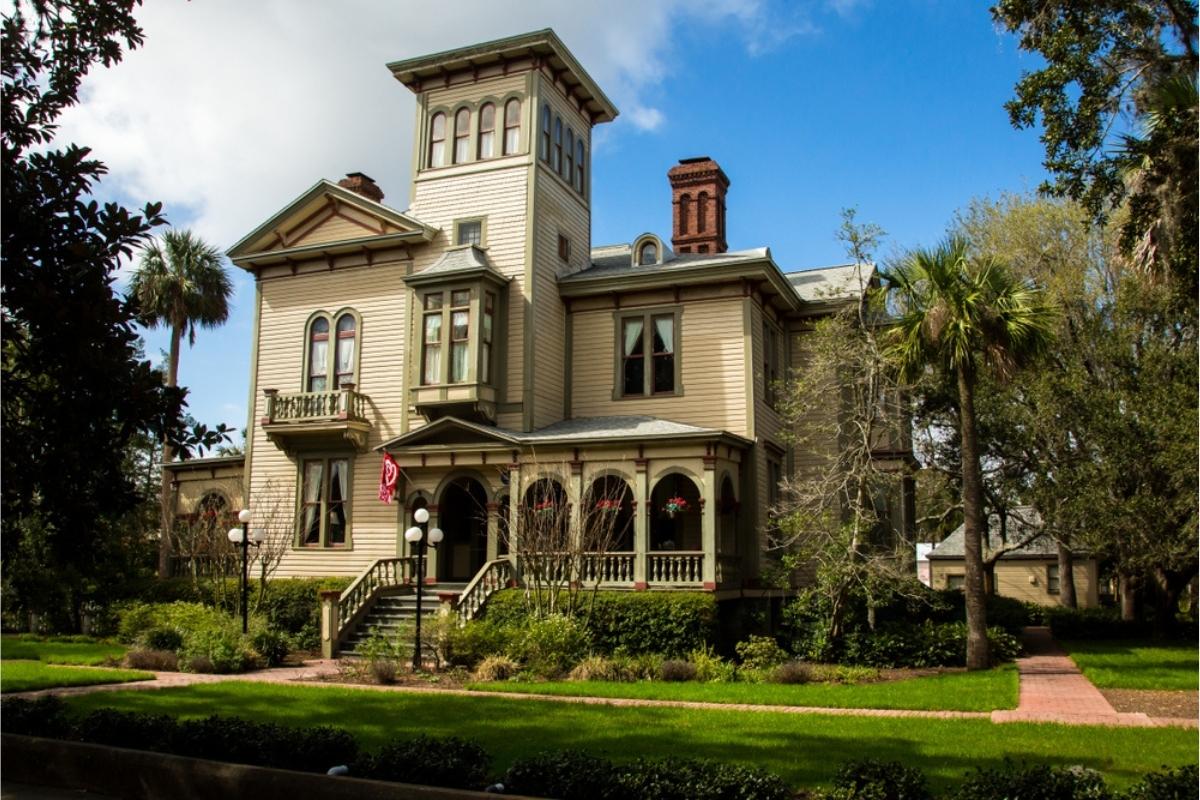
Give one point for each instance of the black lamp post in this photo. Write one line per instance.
(416, 535)
(240, 536)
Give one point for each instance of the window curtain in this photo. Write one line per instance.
(313, 474)
(633, 337)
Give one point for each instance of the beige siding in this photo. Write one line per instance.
(378, 294)
(1025, 579)
(712, 361)
(335, 229)
(474, 94)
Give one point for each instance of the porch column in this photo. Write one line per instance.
(493, 531)
(515, 498)
(431, 553)
(575, 498)
(641, 520)
(708, 522)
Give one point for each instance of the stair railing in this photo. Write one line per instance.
(493, 576)
(384, 573)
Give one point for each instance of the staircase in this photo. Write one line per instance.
(395, 614)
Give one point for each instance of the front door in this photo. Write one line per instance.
(462, 516)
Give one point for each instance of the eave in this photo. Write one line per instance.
(579, 285)
(289, 254)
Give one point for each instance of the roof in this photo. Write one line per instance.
(205, 463)
(458, 263)
(1023, 522)
(839, 282)
(543, 44)
(617, 259)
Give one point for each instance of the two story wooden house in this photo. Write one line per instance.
(485, 342)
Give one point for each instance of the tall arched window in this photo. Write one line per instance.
(685, 212)
(462, 135)
(545, 133)
(437, 140)
(512, 126)
(702, 212)
(318, 355)
(569, 166)
(579, 165)
(344, 366)
(558, 159)
(487, 131)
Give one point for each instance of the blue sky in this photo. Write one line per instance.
(895, 108)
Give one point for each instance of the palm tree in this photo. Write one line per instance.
(959, 315)
(181, 282)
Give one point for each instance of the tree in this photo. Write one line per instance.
(960, 317)
(181, 283)
(75, 388)
(1117, 104)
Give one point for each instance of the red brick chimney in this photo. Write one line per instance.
(698, 187)
(362, 184)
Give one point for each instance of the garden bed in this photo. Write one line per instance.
(1161, 704)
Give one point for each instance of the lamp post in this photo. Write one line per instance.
(241, 536)
(416, 535)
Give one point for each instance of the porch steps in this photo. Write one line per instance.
(395, 614)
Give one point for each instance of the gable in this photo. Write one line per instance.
(337, 222)
(451, 431)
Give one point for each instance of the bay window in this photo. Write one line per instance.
(460, 334)
(431, 340)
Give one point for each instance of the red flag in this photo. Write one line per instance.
(388, 477)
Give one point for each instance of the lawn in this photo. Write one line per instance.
(54, 651)
(805, 749)
(959, 691)
(26, 676)
(1136, 664)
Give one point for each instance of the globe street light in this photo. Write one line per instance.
(415, 535)
(240, 536)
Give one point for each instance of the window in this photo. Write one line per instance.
(485, 341)
(648, 363)
(545, 146)
(569, 166)
(685, 211)
(462, 135)
(324, 515)
(774, 479)
(487, 131)
(955, 581)
(1052, 579)
(512, 126)
(770, 363)
(344, 356)
(431, 340)
(318, 355)
(558, 155)
(564, 248)
(648, 254)
(702, 213)
(437, 140)
(469, 232)
(579, 164)
(460, 329)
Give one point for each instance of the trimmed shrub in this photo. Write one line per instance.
(677, 670)
(217, 649)
(1169, 784)
(446, 761)
(760, 652)
(599, 668)
(925, 645)
(1036, 782)
(689, 779)
(496, 668)
(470, 644)
(1092, 623)
(271, 645)
(153, 660)
(870, 779)
(793, 672)
(138, 731)
(550, 647)
(162, 638)
(566, 775)
(46, 716)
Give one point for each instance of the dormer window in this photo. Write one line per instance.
(648, 254)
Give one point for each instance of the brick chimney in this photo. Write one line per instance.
(698, 187)
(362, 184)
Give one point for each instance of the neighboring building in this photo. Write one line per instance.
(1028, 572)
(483, 341)
(923, 574)
(206, 494)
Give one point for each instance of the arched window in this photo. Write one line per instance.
(462, 135)
(558, 132)
(437, 140)
(318, 355)
(344, 363)
(648, 254)
(512, 126)
(685, 211)
(212, 508)
(545, 149)
(569, 166)
(487, 131)
(702, 212)
(579, 165)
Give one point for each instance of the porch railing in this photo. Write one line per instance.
(675, 567)
(607, 567)
(494, 575)
(383, 574)
(342, 404)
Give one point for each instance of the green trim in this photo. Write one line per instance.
(748, 358)
(647, 314)
(580, 284)
(483, 231)
(331, 354)
(251, 408)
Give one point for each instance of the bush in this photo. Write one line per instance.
(1169, 784)
(162, 638)
(217, 649)
(688, 779)
(793, 672)
(550, 647)
(153, 660)
(711, 668)
(629, 623)
(677, 670)
(271, 645)
(46, 716)
(643, 667)
(925, 645)
(293, 606)
(496, 668)
(1037, 782)
(869, 779)
(128, 729)
(599, 668)
(1091, 623)
(450, 761)
(566, 775)
(470, 644)
(760, 652)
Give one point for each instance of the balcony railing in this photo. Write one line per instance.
(342, 404)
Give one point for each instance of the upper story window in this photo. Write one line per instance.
(457, 312)
(579, 164)
(462, 135)
(431, 339)
(487, 131)
(569, 164)
(544, 150)
(437, 140)
(319, 374)
(469, 232)
(460, 334)
(318, 355)
(344, 363)
(648, 354)
(324, 504)
(648, 254)
(512, 126)
(485, 338)
(558, 144)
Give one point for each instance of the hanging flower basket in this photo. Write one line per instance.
(608, 506)
(675, 505)
(546, 507)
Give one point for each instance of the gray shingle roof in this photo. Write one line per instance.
(614, 428)
(1023, 523)
(831, 283)
(617, 259)
(461, 259)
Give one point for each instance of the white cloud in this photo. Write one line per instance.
(232, 108)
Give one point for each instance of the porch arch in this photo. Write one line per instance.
(454, 475)
(680, 530)
(607, 514)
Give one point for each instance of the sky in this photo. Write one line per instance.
(892, 107)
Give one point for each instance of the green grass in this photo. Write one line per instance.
(26, 676)
(960, 691)
(1136, 664)
(54, 651)
(805, 749)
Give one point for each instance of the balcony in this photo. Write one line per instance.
(316, 420)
